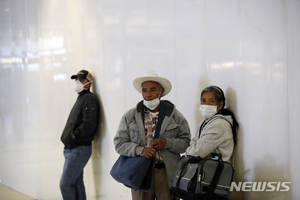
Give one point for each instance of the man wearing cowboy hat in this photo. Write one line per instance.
(138, 126)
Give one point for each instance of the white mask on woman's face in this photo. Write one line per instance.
(78, 86)
(207, 111)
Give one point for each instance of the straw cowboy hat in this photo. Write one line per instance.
(152, 76)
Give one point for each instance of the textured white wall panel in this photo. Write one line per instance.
(250, 48)
(293, 50)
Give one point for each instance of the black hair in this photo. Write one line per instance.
(219, 94)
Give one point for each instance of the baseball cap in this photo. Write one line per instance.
(83, 74)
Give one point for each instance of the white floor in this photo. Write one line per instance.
(7, 193)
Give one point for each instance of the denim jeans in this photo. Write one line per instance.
(71, 182)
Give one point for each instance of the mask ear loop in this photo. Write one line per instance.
(86, 84)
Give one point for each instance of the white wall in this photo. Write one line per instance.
(250, 48)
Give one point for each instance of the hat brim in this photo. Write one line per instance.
(165, 83)
(79, 76)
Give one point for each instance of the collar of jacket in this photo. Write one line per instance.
(168, 107)
(84, 92)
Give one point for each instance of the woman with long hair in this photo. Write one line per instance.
(217, 133)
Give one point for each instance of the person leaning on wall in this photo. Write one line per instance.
(77, 137)
(217, 133)
(134, 136)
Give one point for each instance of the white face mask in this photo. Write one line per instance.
(208, 111)
(78, 86)
(153, 103)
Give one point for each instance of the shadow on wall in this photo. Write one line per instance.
(238, 161)
(265, 170)
(273, 178)
(96, 156)
(202, 85)
(231, 104)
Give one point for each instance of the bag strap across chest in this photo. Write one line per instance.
(204, 123)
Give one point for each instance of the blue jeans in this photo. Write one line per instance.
(71, 182)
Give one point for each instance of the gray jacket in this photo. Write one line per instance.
(130, 139)
(216, 137)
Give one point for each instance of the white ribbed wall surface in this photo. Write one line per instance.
(250, 48)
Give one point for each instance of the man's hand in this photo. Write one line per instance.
(149, 152)
(158, 144)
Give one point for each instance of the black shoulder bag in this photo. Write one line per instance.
(202, 179)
